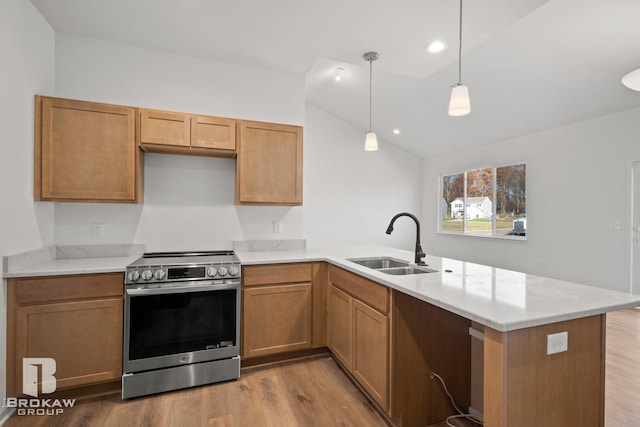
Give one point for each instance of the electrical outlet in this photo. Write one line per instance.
(97, 231)
(557, 343)
(277, 227)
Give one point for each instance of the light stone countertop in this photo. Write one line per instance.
(500, 299)
(66, 260)
(67, 266)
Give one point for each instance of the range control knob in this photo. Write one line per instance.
(211, 271)
(222, 271)
(233, 270)
(134, 276)
(147, 275)
(159, 274)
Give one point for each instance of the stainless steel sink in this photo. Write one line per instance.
(403, 271)
(379, 262)
(391, 266)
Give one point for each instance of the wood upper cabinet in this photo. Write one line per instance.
(280, 303)
(213, 132)
(358, 331)
(76, 320)
(165, 128)
(85, 152)
(180, 133)
(269, 164)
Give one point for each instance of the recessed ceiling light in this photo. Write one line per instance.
(396, 131)
(338, 73)
(436, 46)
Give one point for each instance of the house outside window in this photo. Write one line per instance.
(488, 202)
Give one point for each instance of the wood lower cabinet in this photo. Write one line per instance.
(180, 133)
(371, 351)
(76, 320)
(85, 152)
(283, 308)
(359, 331)
(277, 319)
(269, 164)
(340, 330)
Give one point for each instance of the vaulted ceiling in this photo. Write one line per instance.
(529, 64)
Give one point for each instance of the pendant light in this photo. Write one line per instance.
(459, 104)
(632, 80)
(370, 140)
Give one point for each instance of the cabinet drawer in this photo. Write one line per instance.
(365, 290)
(276, 273)
(34, 290)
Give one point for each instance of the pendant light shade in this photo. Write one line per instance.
(370, 139)
(632, 80)
(459, 104)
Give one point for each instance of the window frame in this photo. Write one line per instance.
(494, 206)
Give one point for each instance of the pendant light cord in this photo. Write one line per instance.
(370, 89)
(460, 48)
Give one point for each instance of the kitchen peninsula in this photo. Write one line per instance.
(429, 319)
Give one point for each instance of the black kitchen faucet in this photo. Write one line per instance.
(419, 254)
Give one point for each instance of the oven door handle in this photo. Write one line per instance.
(180, 289)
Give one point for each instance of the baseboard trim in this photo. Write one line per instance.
(5, 414)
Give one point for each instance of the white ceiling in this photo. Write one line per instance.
(529, 64)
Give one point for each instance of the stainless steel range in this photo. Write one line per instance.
(182, 321)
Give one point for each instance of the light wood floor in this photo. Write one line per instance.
(622, 386)
(315, 392)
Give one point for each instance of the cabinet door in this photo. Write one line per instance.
(340, 338)
(165, 128)
(213, 132)
(276, 319)
(269, 165)
(371, 352)
(84, 151)
(84, 338)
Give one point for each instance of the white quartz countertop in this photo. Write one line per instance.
(67, 266)
(500, 299)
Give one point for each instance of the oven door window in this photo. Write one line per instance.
(178, 323)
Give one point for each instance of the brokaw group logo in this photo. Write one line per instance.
(30, 375)
(38, 370)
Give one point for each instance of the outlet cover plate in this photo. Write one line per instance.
(557, 343)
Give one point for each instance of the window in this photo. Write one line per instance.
(494, 201)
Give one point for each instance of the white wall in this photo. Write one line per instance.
(27, 46)
(586, 165)
(351, 195)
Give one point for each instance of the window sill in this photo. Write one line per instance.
(509, 238)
